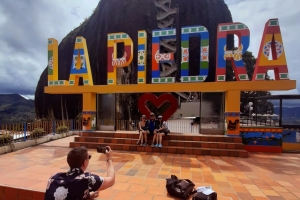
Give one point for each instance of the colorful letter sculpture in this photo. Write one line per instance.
(271, 43)
(142, 56)
(158, 102)
(242, 31)
(53, 64)
(158, 57)
(80, 64)
(112, 60)
(194, 31)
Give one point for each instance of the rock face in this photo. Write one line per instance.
(129, 16)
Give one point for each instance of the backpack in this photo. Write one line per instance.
(201, 196)
(180, 188)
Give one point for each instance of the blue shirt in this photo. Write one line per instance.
(152, 125)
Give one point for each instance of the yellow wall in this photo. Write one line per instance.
(290, 146)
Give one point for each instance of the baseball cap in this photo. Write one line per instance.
(152, 114)
(143, 116)
(159, 117)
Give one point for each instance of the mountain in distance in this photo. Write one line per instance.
(16, 109)
(289, 112)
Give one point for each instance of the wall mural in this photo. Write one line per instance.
(263, 139)
(158, 102)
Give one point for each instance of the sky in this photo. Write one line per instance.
(25, 27)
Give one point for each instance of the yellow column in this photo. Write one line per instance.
(88, 110)
(232, 111)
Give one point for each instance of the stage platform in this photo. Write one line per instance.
(141, 175)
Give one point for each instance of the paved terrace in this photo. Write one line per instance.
(141, 176)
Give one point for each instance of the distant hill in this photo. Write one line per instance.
(15, 109)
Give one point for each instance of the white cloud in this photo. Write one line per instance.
(26, 25)
(24, 29)
(255, 13)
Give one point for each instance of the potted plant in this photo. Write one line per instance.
(62, 130)
(37, 133)
(6, 138)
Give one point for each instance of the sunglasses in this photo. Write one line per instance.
(89, 157)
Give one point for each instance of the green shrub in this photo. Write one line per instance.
(6, 138)
(62, 129)
(37, 132)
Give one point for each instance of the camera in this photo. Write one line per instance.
(101, 149)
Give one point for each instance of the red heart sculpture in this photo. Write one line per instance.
(158, 102)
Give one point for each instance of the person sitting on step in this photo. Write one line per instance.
(143, 130)
(152, 128)
(162, 130)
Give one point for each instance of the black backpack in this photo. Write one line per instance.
(180, 188)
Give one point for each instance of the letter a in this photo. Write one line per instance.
(271, 43)
(80, 64)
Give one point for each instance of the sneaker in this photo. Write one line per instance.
(152, 145)
(141, 145)
(156, 145)
(138, 142)
(160, 145)
(145, 144)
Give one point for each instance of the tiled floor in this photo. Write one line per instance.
(141, 176)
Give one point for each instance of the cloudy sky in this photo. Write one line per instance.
(26, 25)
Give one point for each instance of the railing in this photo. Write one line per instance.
(246, 121)
(182, 125)
(26, 131)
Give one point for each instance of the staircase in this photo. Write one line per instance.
(214, 145)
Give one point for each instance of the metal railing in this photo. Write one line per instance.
(17, 132)
(182, 125)
(246, 121)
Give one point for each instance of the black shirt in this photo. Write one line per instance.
(73, 185)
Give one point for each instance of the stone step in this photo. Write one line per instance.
(175, 143)
(166, 149)
(171, 136)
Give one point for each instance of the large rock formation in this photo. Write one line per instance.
(129, 16)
